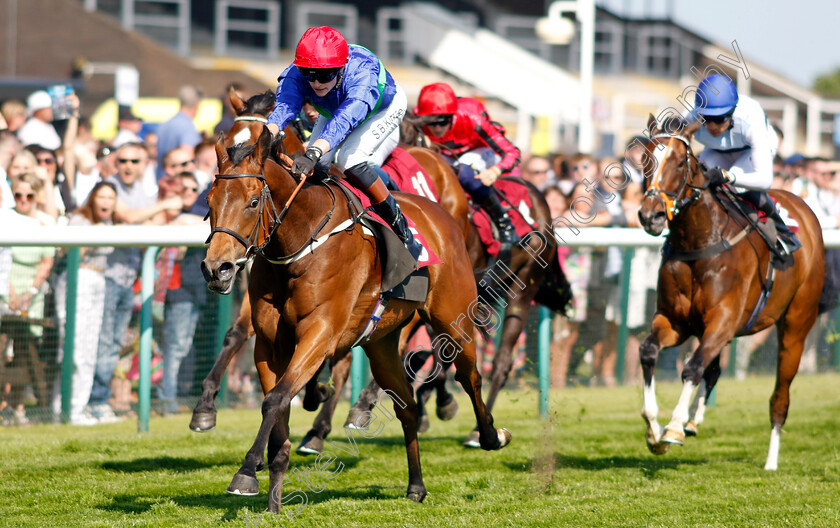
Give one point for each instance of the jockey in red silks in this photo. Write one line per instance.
(360, 107)
(473, 143)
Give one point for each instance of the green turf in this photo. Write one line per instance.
(587, 466)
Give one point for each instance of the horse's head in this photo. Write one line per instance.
(673, 178)
(242, 213)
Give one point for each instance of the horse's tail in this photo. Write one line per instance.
(555, 292)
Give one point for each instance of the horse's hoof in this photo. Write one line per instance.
(424, 424)
(310, 445)
(504, 437)
(352, 416)
(657, 448)
(243, 485)
(691, 429)
(448, 411)
(417, 495)
(473, 439)
(673, 437)
(203, 421)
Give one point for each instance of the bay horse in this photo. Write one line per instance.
(251, 115)
(711, 282)
(310, 309)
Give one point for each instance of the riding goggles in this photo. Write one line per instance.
(444, 120)
(718, 120)
(321, 75)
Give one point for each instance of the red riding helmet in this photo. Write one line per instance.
(321, 47)
(435, 99)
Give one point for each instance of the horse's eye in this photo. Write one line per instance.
(254, 203)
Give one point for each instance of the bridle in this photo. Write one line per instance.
(274, 218)
(674, 202)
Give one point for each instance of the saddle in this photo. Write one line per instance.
(762, 212)
(516, 201)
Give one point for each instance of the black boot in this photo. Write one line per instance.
(494, 208)
(785, 242)
(390, 211)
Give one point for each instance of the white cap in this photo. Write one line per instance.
(37, 101)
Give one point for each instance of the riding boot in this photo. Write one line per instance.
(785, 241)
(499, 216)
(390, 211)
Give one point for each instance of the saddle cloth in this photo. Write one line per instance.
(409, 175)
(514, 197)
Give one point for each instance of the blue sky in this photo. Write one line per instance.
(799, 39)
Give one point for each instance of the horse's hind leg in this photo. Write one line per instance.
(792, 330)
(388, 371)
(698, 406)
(313, 441)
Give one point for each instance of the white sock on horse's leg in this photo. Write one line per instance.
(650, 409)
(680, 416)
(698, 407)
(773, 452)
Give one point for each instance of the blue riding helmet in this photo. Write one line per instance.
(708, 102)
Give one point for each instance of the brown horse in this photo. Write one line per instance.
(311, 309)
(711, 284)
(252, 115)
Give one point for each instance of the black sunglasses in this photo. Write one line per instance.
(47, 161)
(321, 75)
(718, 120)
(129, 160)
(442, 121)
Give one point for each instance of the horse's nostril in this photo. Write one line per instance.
(225, 269)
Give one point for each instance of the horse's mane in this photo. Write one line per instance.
(239, 152)
(261, 103)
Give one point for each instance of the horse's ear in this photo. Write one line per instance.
(236, 101)
(264, 145)
(689, 131)
(652, 125)
(222, 157)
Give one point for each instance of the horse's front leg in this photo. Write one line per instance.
(698, 406)
(718, 332)
(663, 335)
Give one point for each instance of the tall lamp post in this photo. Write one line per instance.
(555, 29)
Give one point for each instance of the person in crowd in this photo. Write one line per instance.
(562, 178)
(14, 113)
(185, 296)
(129, 127)
(361, 108)
(177, 160)
(9, 145)
(97, 210)
(740, 145)
(537, 170)
(54, 185)
(205, 163)
(463, 129)
(38, 128)
(30, 269)
(134, 206)
(180, 130)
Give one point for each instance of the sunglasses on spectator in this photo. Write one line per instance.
(579, 167)
(123, 161)
(442, 121)
(538, 171)
(181, 163)
(321, 75)
(28, 196)
(190, 188)
(718, 120)
(46, 161)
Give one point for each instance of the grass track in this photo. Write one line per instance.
(587, 466)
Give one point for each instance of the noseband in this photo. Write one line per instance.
(672, 201)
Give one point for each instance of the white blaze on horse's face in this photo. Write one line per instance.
(243, 136)
(660, 155)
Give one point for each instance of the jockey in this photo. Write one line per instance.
(740, 146)
(464, 131)
(360, 109)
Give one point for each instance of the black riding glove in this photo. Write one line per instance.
(304, 163)
(717, 177)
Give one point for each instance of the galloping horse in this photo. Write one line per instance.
(714, 282)
(307, 308)
(251, 115)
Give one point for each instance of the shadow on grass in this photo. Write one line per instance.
(181, 465)
(649, 466)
